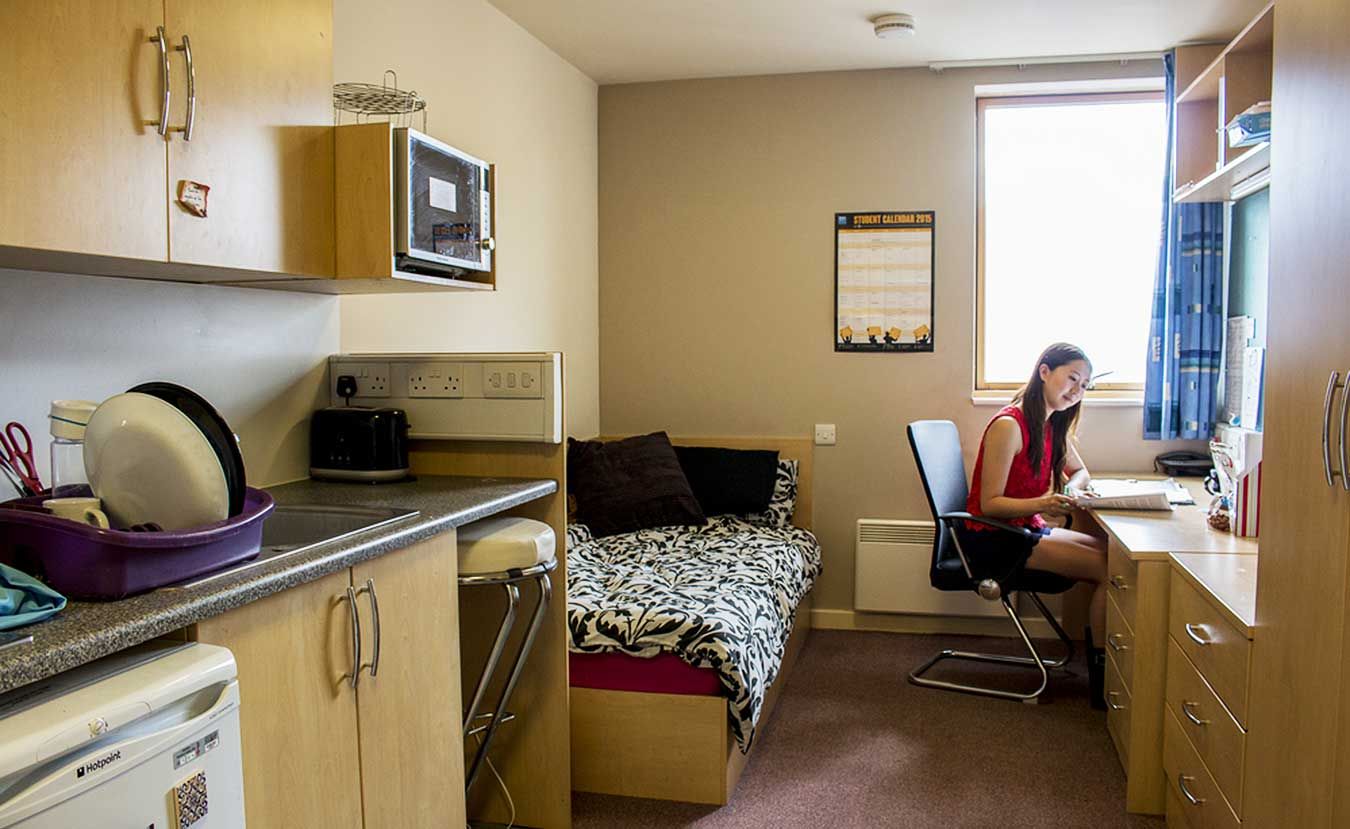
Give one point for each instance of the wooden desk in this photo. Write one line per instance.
(1138, 548)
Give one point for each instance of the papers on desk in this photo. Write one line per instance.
(1121, 493)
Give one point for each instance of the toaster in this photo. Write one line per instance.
(355, 443)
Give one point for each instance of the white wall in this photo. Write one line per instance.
(258, 356)
(495, 92)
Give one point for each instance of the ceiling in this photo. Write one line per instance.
(625, 41)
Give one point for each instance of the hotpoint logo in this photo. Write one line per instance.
(96, 765)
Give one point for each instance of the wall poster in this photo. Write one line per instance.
(883, 281)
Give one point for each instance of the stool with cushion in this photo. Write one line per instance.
(503, 551)
(937, 453)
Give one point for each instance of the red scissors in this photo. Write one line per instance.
(19, 455)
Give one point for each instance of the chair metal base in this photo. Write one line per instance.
(1034, 661)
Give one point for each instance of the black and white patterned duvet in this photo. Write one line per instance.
(721, 596)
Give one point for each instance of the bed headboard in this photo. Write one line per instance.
(798, 449)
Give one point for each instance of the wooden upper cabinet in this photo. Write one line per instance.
(262, 138)
(79, 169)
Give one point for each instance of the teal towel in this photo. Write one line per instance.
(25, 600)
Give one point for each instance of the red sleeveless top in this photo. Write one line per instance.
(1023, 481)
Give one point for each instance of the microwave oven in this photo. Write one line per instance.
(442, 207)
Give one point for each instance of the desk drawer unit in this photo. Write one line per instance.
(1217, 738)
(1123, 582)
(1119, 642)
(1200, 799)
(1218, 650)
(1118, 707)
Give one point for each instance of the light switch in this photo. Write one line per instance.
(824, 434)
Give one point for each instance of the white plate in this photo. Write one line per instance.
(148, 462)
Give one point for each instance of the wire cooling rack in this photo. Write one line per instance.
(384, 99)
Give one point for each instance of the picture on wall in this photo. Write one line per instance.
(883, 281)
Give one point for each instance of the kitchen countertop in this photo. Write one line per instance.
(85, 631)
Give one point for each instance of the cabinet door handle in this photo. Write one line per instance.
(1119, 583)
(1186, 709)
(1110, 700)
(186, 48)
(1345, 456)
(1181, 783)
(369, 590)
(1332, 475)
(1114, 641)
(355, 675)
(162, 125)
(1195, 637)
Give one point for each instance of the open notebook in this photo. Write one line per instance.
(1124, 493)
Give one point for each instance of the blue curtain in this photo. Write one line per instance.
(1185, 339)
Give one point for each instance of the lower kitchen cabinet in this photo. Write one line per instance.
(319, 752)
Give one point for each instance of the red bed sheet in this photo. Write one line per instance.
(662, 674)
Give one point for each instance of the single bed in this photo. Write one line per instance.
(720, 612)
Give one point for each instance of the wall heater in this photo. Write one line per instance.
(890, 572)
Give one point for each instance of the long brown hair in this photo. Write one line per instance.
(1063, 425)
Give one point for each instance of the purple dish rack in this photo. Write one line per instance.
(93, 564)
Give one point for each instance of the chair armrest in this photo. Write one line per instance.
(988, 522)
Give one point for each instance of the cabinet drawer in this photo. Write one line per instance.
(1118, 707)
(1215, 647)
(1120, 642)
(1213, 732)
(1176, 810)
(1205, 807)
(1123, 582)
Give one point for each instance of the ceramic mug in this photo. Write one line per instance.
(85, 510)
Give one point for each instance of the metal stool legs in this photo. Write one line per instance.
(499, 715)
(1034, 661)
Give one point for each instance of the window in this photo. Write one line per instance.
(1069, 211)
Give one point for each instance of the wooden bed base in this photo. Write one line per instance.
(667, 746)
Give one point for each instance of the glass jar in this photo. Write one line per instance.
(68, 419)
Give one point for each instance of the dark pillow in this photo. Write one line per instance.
(729, 480)
(630, 484)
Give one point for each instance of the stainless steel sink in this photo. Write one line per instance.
(294, 528)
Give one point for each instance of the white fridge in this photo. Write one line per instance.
(144, 739)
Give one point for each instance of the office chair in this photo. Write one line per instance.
(937, 452)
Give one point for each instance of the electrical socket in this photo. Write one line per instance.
(435, 380)
(372, 379)
(512, 380)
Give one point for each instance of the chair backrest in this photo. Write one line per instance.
(937, 453)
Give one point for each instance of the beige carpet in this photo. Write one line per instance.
(852, 744)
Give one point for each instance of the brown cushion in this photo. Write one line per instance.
(630, 484)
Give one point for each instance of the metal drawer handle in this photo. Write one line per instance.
(1186, 709)
(1119, 583)
(1181, 782)
(1345, 454)
(186, 129)
(369, 590)
(162, 125)
(1195, 637)
(1110, 697)
(355, 675)
(1114, 641)
(1331, 474)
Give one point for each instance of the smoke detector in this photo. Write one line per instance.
(889, 26)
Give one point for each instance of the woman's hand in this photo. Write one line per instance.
(1054, 504)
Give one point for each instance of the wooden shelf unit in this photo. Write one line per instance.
(1237, 76)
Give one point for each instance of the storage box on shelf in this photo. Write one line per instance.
(1233, 79)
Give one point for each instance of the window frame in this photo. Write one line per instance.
(982, 104)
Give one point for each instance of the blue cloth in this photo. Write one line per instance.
(1185, 340)
(25, 600)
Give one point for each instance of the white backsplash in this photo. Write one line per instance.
(259, 356)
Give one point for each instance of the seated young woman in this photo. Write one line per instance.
(1027, 456)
